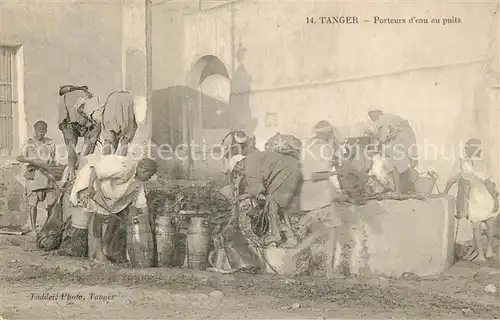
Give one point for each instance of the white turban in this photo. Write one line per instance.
(323, 126)
(240, 137)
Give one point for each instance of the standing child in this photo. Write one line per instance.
(37, 152)
(481, 198)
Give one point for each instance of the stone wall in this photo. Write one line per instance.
(293, 74)
(13, 210)
(64, 42)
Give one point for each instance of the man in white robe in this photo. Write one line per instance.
(108, 185)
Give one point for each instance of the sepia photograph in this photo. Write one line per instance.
(249, 159)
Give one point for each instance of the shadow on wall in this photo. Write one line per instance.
(176, 112)
(239, 101)
(184, 114)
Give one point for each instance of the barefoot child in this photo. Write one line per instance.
(481, 198)
(37, 152)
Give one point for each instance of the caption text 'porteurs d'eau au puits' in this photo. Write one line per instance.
(377, 20)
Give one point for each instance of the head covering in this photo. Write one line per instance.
(473, 142)
(473, 145)
(80, 102)
(148, 164)
(323, 126)
(373, 113)
(234, 160)
(67, 105)
(73, 113)
(240, 136)
(91, 105)
(69, 87)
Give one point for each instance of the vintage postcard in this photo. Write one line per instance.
(258, 159)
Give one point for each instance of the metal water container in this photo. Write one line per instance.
(198, 243)
(166, 235)
(425, 184)
(140, 245)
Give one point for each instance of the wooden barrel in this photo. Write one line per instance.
(166, 240)
(198, 243)
(140, 245)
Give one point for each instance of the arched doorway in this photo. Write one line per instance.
(208, 115)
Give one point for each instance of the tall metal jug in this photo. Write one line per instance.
(140, 245)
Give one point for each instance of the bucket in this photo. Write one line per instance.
(166, 240)
(198, 243)
(412, 175)
(80, 218)
(425, 184)
(140, 245)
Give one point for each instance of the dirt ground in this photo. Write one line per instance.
(87, 291)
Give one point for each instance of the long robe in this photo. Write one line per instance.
(118, 117)
(275, 175)
(478, 203)
(402, 147)
(116, 179)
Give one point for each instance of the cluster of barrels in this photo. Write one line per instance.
(166, 245)
(148, 240)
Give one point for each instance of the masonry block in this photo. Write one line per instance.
(3, 206)
(15, 202)
(392, 237)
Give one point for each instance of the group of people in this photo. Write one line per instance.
(275, 177)
(99, 185)
(110, 184)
